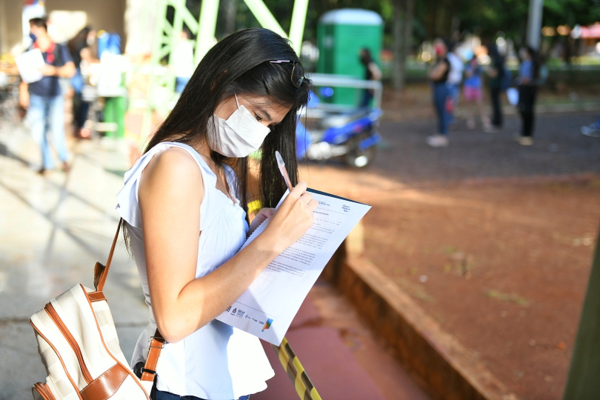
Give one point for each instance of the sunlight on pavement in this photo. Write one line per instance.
(53, 229)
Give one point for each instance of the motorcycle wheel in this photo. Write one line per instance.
(358, 158)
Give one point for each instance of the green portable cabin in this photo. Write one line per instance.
(341, 35)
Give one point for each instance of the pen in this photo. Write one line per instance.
(282, 169)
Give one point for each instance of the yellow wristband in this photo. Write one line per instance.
(254, 206)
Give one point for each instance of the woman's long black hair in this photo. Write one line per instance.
(240, 64)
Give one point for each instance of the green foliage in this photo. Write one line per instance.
(433, 18)
(571, 12)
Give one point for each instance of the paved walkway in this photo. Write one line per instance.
(54, 228)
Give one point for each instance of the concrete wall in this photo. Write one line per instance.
(10, 24)
(105, 14)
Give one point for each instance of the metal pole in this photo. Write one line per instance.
(160, 15)
(291, 363)
(264, 16)
(180, 8)
(297, 25)
(534, 23)
(206, 29)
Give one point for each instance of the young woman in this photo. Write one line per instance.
(472, 92)
(528, 73)
(185, 213)
(441, 94)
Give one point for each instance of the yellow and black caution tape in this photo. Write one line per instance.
(304, 387)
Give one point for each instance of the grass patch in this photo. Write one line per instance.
(511, 297)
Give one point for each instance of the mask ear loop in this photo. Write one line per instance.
(236, 100)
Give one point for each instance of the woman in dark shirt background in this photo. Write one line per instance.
(372, 73)
(81, 41)
(496, 72)
(439, 77)
(528, 74)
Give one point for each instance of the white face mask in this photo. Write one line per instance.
(238, 135)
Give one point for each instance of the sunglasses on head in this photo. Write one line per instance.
(297, 76)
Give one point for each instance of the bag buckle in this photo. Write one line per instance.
(156, 339)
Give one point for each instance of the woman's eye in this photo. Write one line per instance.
(258, 117)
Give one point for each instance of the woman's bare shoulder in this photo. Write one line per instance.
(174, 160)
(173, 169)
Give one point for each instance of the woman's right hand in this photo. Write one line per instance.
(292, 219)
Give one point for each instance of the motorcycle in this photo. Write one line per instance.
(351, 135)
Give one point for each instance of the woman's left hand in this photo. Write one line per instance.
(262, 215)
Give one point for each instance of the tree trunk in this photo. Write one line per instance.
(407, 36)
(398, 46)
(230, 12)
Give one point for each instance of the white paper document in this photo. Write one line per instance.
(29, 64)
(266, 309)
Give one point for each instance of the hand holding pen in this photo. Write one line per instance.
(295, 214)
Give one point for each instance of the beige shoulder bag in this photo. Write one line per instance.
(79, 347)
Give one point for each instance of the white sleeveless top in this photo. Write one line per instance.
(217, 361)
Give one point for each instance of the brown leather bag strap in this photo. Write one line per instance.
(157, 342)
(101, 271)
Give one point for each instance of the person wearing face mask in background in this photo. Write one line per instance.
(441, 94)
(43, 99)
(184, 206)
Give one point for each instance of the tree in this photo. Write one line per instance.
(402, 33)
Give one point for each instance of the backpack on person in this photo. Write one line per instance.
(79, 347)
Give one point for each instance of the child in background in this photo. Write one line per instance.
(472, 92)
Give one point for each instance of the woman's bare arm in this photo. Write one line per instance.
(170, 194)
(375, 71)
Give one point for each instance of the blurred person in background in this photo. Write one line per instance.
(372, 73)
(496, 72)
(44, 100)
(472, 92)
(183, 57)
(528, 73)
(79, 49)
(455, 77)
(442, 99)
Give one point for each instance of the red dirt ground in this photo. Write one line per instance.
(502, 265)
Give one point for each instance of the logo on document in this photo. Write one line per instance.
(267, 324)
(234, 311)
